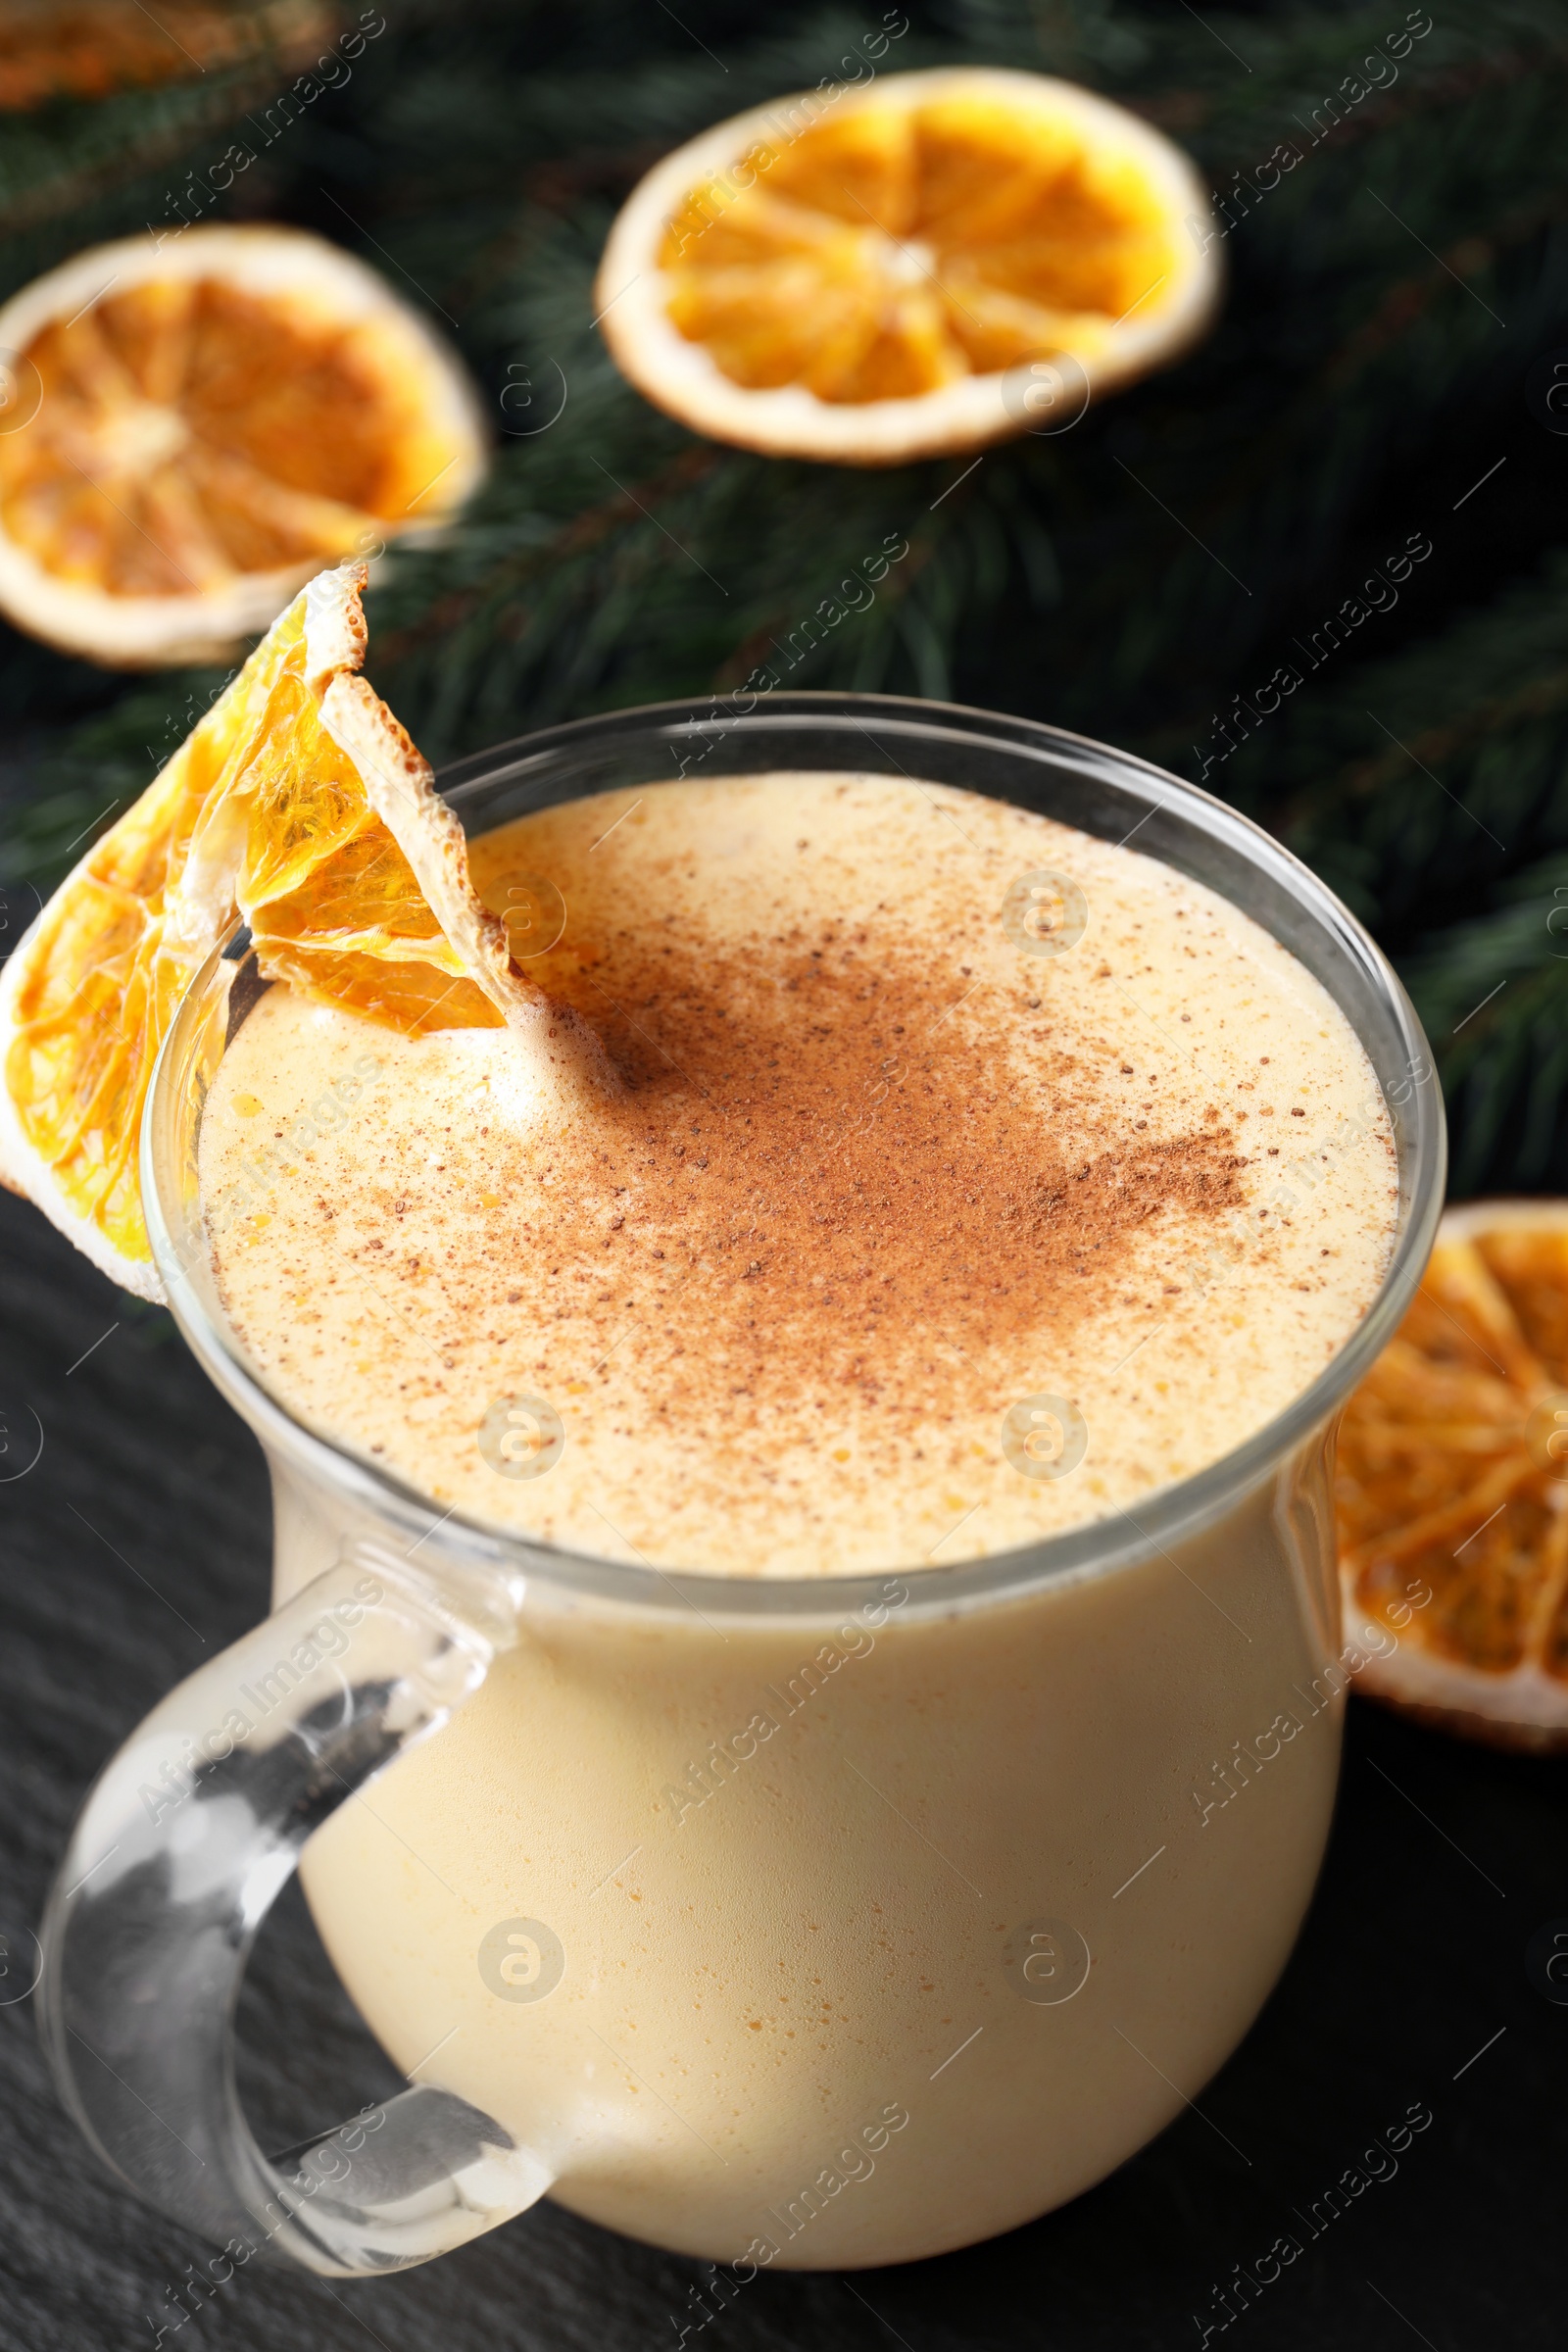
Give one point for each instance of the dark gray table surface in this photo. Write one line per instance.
(136, 1545)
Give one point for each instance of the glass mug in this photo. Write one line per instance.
(818, 1922)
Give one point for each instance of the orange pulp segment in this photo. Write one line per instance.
(890, 251)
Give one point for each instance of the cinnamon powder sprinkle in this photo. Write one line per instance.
(877, 1174)
(854, 1193)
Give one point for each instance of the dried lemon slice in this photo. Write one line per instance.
(192, 426)
(297, 801)
(1453, 1476)
(938, 261)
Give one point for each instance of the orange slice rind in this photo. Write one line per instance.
(194, 424)
(299, 803)
(1453, 1481)
(935, 262)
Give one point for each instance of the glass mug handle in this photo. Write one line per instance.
(182, 1845)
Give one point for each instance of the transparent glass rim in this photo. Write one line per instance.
(1179, 823)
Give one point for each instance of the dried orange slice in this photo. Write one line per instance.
(191, 425)
(297, 801)
(1453, 1481)
(935, 262)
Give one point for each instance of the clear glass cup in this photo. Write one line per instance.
(856, 1919)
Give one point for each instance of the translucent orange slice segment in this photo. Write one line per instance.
(915, 210)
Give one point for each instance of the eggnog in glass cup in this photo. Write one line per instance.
(814, 1509)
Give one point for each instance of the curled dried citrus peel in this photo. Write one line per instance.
(1453, 1478)
(870, 276)
(299, 803)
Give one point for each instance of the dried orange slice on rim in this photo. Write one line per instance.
(190, 427)
(297, 801)
(1453, 1481)
(932, 263)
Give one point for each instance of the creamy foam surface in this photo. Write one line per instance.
(881, 1179)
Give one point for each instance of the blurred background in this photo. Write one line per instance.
(1389, 368)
